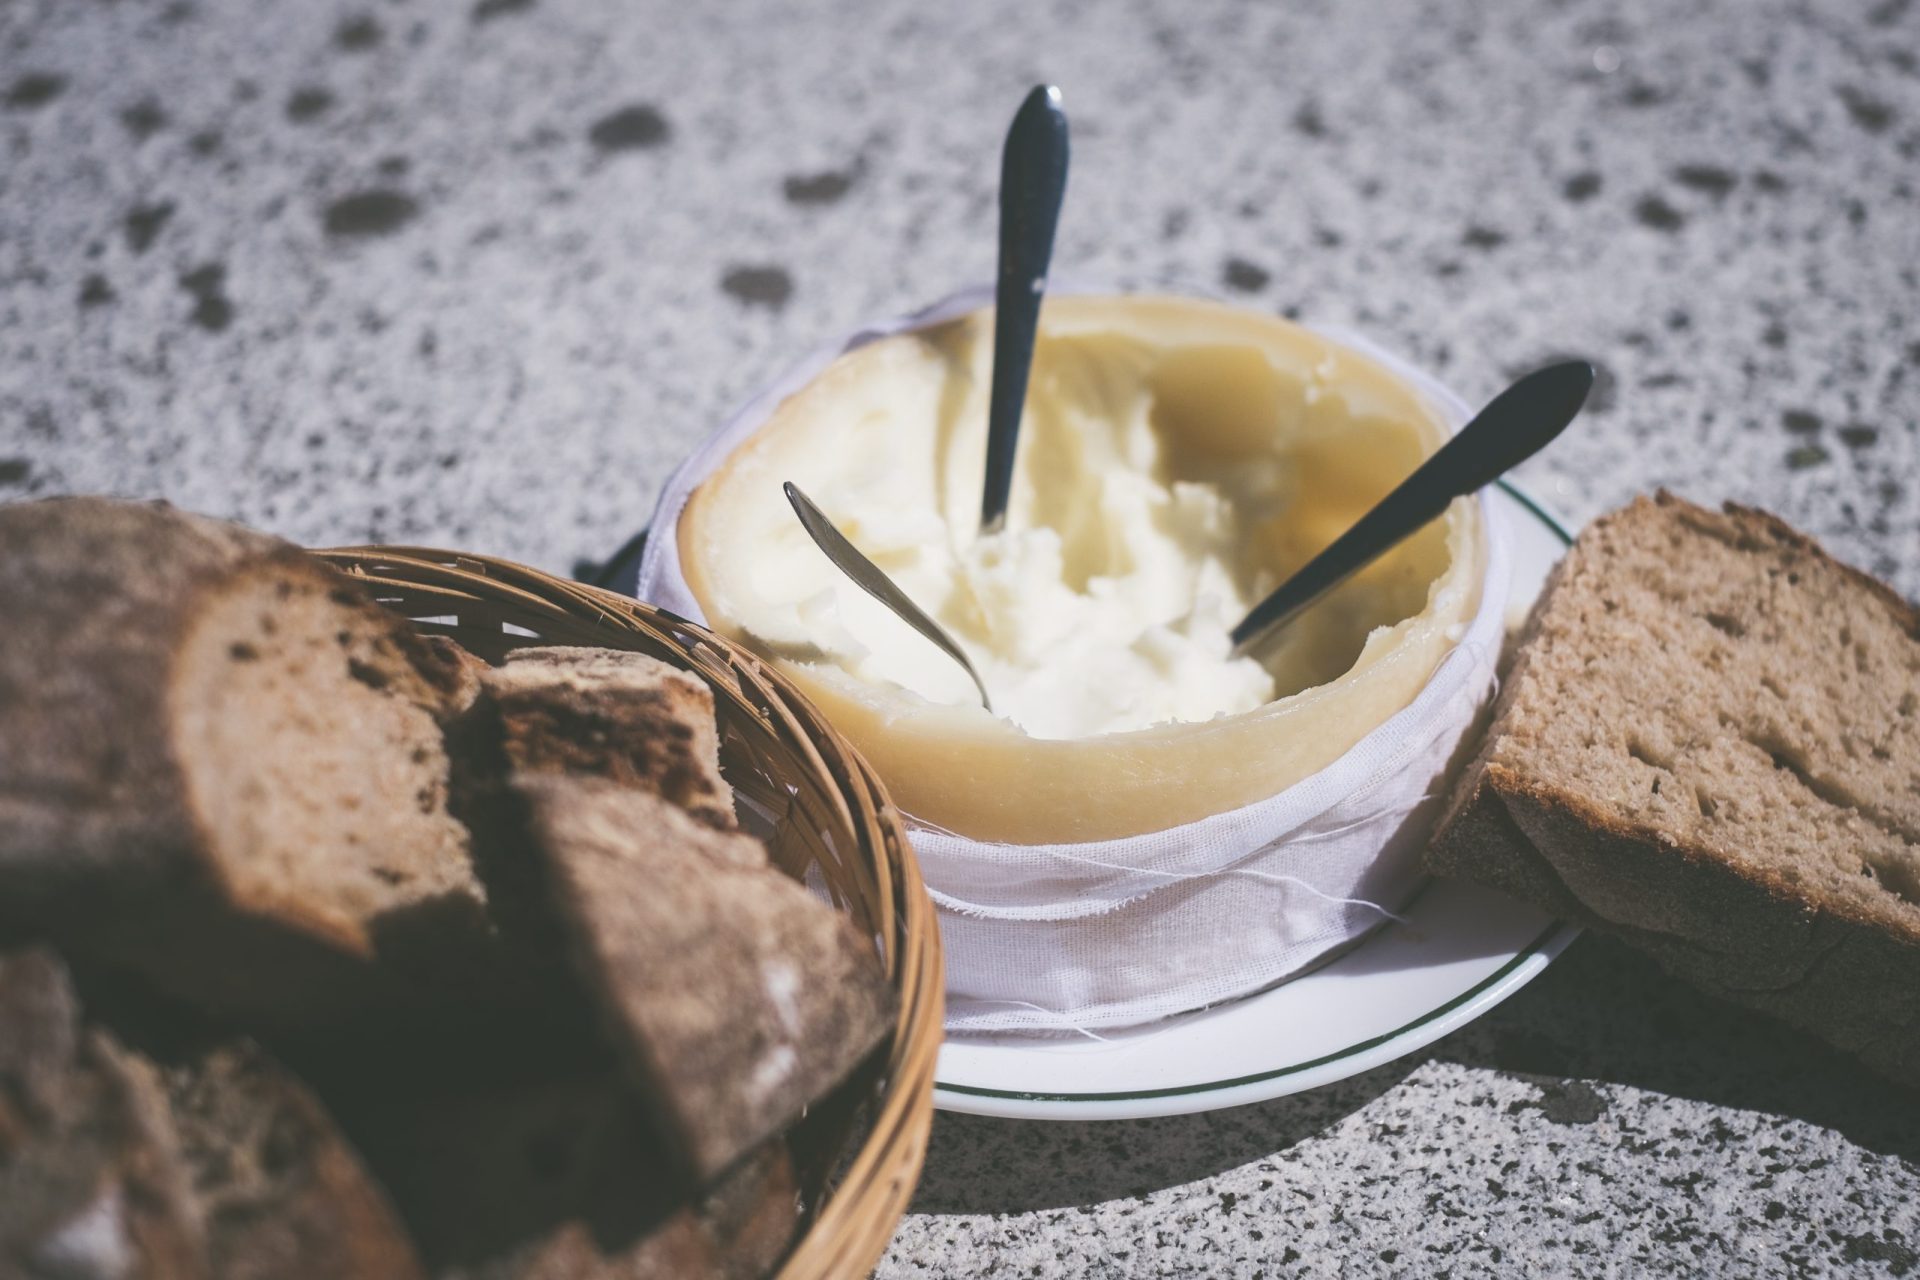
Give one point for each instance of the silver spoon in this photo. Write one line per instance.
(1033, 180)
(873, 580)
(1518, 423)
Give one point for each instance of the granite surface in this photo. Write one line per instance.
(478, 272)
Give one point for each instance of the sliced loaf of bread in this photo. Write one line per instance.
(226, 774)
(221, 765)
(1710, 744)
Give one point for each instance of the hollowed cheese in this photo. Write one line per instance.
(1177, 459)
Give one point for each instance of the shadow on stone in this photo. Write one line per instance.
(1604, 1014)
(976, 1164)
(1601, 1016)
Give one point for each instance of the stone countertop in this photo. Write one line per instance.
(477, 272)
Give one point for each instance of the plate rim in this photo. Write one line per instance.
(1520, 969)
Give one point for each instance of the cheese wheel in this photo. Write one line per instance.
(1177, 460)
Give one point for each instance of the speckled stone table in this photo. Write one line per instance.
(476, 272)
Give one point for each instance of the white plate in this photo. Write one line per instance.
(1462, 950)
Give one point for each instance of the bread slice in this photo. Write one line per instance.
(617, 715)
(734, 996)
(89, 1177)
(752, 1212)
(675, 1250)
(221, 764)
(220, 1165)
(487, 1165)
(279, 1190)
(583, 712)
(1710, 745)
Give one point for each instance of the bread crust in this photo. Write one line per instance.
(1742, 932)
(220, 1164)
(1811, 965)
(92, 795)
(613, 714)
(733, 996)
(281, 1191)
(101, 598)
(104, 848)
(88, 1169)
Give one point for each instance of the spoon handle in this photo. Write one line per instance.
(1033, 180)
(1518, 423)
(873, 580)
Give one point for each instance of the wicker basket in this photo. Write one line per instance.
(825, 818)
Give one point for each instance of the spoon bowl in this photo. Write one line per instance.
(873, 580)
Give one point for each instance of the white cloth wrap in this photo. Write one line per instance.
(1115, 933)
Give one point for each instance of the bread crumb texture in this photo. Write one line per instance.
(1716, 680)
(308, 729)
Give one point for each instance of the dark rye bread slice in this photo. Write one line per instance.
(675, 1250)
(617, 715)
(489, 1166)
(89, 1176)
(1710, 745)
(279, 1191)
(586, 712)
(733, 995)
(219, 1165)
(221, 765)
(563, 1174)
